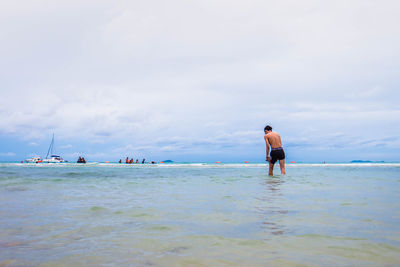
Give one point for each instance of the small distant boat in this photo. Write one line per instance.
(35, 159)
(53, 158)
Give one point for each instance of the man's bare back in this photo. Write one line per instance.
(274, 141)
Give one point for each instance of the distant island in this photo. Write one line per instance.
(365, 161)
(167, 161)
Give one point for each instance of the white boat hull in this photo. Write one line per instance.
(54, 159)
(34, 160)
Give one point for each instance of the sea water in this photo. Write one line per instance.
(199, 215)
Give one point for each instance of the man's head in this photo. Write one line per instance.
(267, 129)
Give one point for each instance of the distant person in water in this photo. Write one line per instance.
(273, 140)
(137, 161)
(127, 160)
(120, 161)
(143, 161)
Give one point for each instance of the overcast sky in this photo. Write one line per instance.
(199, 80)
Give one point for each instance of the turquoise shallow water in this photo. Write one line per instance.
(199, 215)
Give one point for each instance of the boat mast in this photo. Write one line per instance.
(50, 147)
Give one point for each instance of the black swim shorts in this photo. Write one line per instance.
(277, 154)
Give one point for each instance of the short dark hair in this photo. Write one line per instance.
(268, 128)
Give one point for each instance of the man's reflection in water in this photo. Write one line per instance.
(271, 206)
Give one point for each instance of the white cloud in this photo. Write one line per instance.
(184, 76)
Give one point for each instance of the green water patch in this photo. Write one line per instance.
(98, 209)
(142, 214)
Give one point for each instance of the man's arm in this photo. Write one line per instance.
(267, 145)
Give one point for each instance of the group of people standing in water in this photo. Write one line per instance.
(130, 161)
(81, 160)
(127, 161)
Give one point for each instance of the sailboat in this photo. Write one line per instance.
(53, 158)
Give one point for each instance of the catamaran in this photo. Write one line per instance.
(53, 158)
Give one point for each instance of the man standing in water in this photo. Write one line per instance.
(274, 140)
